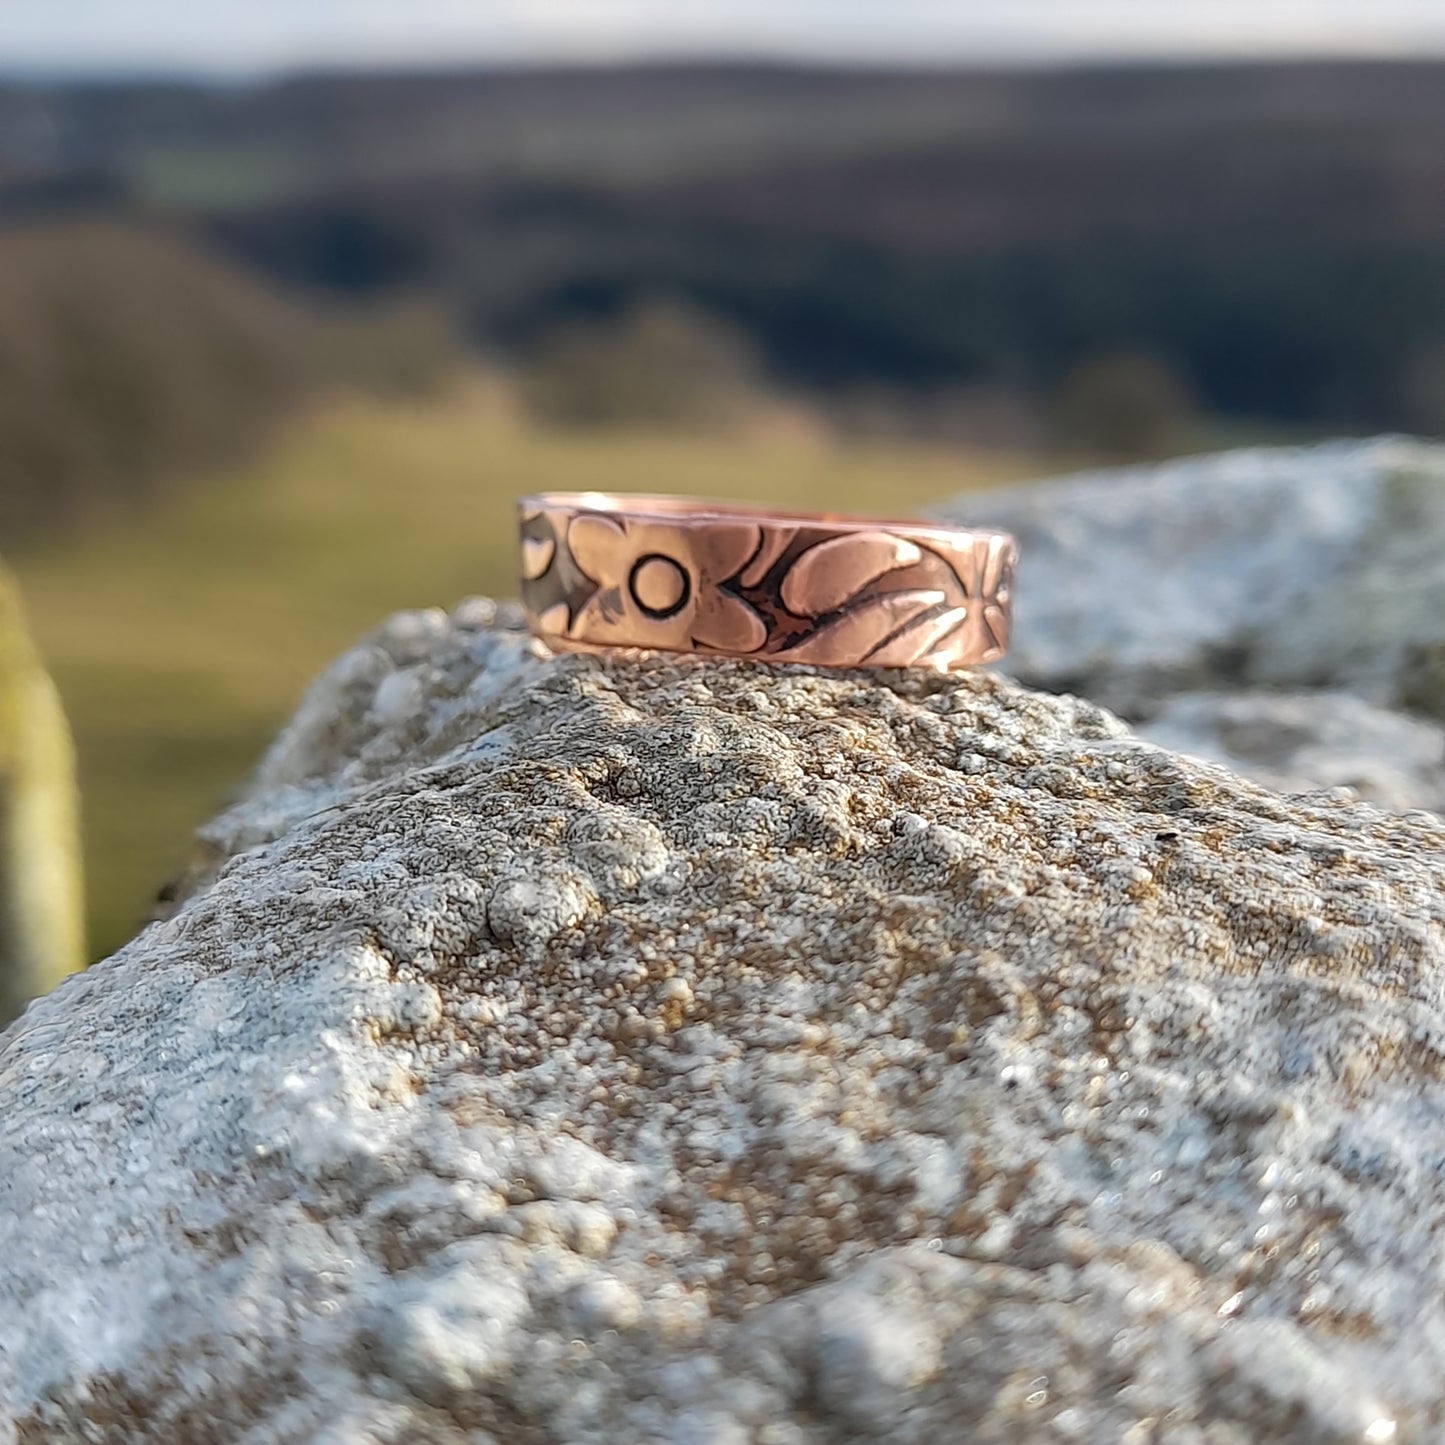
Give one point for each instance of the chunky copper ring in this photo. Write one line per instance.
(693, 576)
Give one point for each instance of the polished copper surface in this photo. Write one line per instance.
(601, 570)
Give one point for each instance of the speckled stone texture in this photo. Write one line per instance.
(1280, 567)
(647, 1050)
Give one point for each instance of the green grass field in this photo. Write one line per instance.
(182, 639)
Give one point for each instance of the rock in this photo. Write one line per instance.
(1276, 610)
(1286, 567)
(632, 1049)
(1294, 742)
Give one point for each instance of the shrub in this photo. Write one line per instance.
(1124, 408)
(127, 357)
(661, 366)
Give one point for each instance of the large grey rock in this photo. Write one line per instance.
(1298, 741)
(669, 1051)
(1297, 567)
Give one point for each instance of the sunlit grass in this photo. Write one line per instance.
(181, 640)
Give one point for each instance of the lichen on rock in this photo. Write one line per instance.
(592, 1049)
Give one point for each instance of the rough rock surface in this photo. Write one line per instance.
(1292, 567)
(1299, 741)
(639, 1050)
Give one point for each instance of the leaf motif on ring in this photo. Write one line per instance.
(919, 638)
(851, 638)
(998, 626)
(773, 543)
(995, 560)
(554, 619)
(825, 576)
(537, 554)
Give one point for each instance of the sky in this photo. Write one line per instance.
(249, 36)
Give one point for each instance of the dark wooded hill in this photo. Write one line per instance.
(1274, 234)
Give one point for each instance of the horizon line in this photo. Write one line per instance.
(262, 73)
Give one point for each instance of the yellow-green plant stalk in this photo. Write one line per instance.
(42, 930)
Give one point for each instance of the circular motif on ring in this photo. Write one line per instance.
(659, 586)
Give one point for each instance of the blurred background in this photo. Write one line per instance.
(294, 300)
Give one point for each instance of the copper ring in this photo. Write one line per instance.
(693, 576)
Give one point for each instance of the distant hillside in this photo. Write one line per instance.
(124, 358)
(1037, 145)
(1274, 235)
(128, 358)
